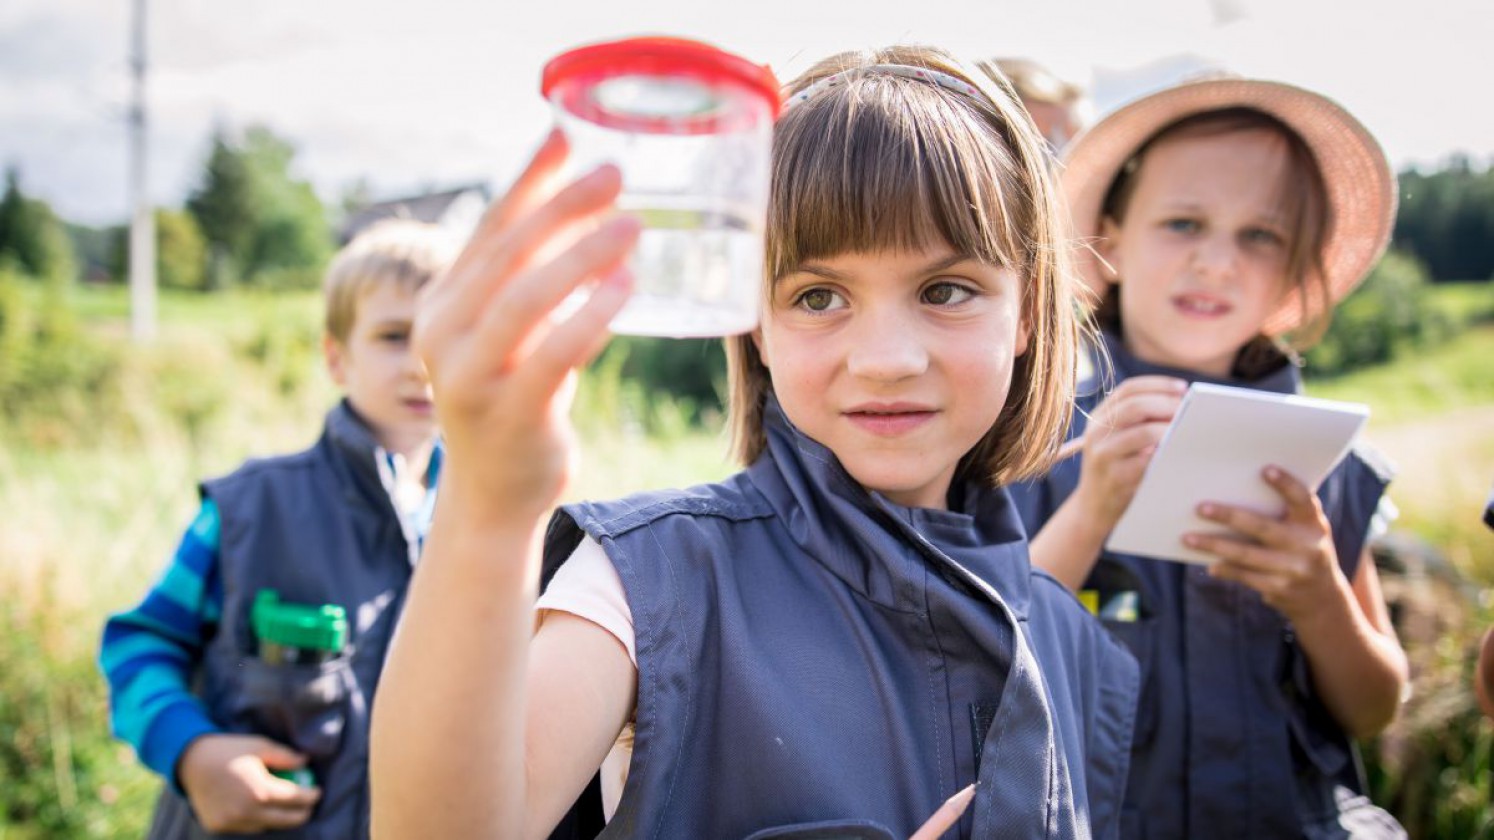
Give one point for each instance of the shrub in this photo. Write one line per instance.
(1390, 312)
(64, 775)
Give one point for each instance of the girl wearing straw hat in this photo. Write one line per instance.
(1227, 217)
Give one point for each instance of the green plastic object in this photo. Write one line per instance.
(297, 632)
(301, 776)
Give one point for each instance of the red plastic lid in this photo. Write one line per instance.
(580, 79)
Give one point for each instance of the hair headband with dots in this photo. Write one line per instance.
(943, 80)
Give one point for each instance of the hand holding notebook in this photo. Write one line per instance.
(1219, 442)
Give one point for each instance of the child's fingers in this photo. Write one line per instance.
(526, 190)
(578, 202)
(514, 315)
(1143, 408)
(1302, 503)
(1238, 551)
(490, 263)
(279, 818)
(1126, 442)
(575, 341)
(284, 793)
(1262, 582)
(1263, 529)
(275, 755)
(1137, 385)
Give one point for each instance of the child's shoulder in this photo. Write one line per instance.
(264, 469)
(1051, 592)
(731, 499)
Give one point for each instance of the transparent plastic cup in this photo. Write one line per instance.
(690, 127)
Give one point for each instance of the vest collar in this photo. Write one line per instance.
(881, 549)
(1285, 379)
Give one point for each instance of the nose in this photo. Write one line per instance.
(413, 367)
(887, 346)
(1216, 258)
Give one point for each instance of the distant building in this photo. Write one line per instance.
(458, 209)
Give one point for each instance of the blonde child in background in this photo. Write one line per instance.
(845, 634)
(249, 745)
(1057, 106)
(1229, 216)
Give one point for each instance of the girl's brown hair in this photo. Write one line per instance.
(1305, 211)
(887, 162)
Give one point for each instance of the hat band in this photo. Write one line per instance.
(943, 80)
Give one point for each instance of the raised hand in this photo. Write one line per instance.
(501, 363)
(1118, 443)
(228, 781)
(1290, 560)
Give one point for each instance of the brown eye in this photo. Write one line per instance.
(818, 300)
(945, 294)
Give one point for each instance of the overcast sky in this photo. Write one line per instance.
(440, 92)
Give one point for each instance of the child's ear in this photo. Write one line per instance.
(335, 355)
(757, 341)
(1023, 334)
(1108, 253)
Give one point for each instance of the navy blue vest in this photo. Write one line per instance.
(1231, 738)
(815, 661)
(319, 528)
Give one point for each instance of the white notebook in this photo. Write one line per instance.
(1218, 444)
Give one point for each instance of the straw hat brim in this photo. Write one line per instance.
(1361, 188)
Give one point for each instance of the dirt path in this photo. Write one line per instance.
(1445, 472)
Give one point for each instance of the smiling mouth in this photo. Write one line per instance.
(890, 422)
(1206, 307)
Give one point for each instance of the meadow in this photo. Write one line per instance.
(97, 485)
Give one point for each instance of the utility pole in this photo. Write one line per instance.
(142, 223)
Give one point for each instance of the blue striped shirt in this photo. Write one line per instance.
(149, 653)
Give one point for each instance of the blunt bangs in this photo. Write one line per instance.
(885, 163)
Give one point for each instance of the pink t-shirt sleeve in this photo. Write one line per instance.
(587, 586)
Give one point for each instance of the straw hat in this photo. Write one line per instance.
(1361, 189)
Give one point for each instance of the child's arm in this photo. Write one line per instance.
(1358, 666)
(479, 731)
(149, 653)
(1119, 441)
(148, 656)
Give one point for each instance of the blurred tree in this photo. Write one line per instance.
(226, 208)
(1389, 312)
(692, 371)
(261, 223)
(99, 251)
(1446, 219)
(181, 251)
(32, 236)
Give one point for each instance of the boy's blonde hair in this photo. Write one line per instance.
(885, 161)
(401, 252)
(1032, 82)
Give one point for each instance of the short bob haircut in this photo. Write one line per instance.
(401, 252)
(887, 162)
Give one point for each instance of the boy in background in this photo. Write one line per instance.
(1057, 106)
(245, 676)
